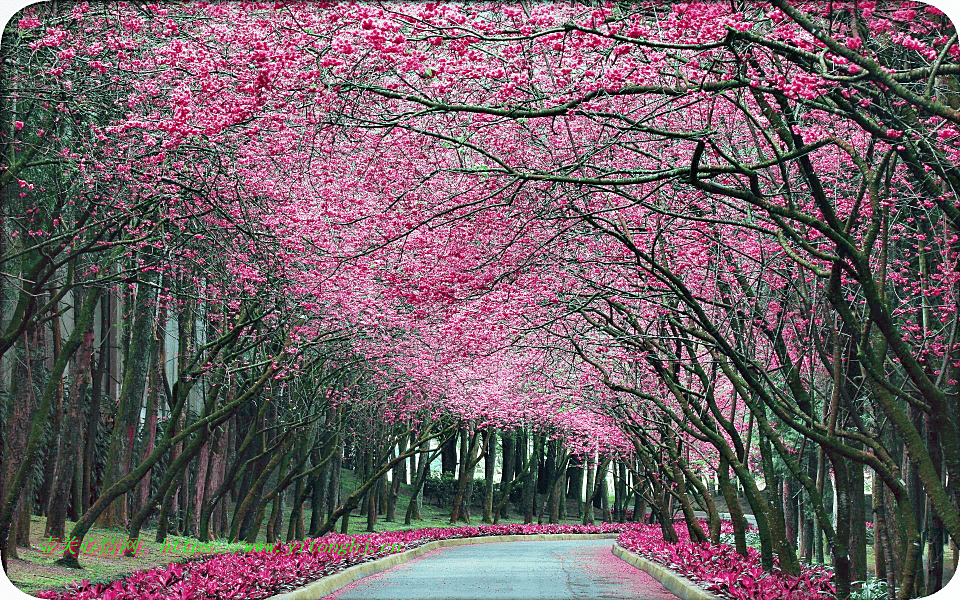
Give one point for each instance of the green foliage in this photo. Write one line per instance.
(871, 589)
(516, 493)
(752, 537)
(442, 489)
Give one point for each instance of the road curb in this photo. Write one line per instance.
(678, 585)
(328, 585)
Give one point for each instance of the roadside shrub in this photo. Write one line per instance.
(442, 488)
(719, 569)
(871, 589)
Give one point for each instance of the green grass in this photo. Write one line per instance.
(36, 570)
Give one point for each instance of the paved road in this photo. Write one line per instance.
(569, 569)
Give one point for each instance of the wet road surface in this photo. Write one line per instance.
(569, 569)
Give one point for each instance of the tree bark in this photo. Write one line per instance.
(529, 497)
(489, 470)
(94, 418)
(49, 351)
(737, 517)
(461, 505)
(506, 479)
(67, 456)
(588, 504)
(18, 482)
(241, 511)
(399, 477)
(413, 511)
(135, 369)
(448, 458)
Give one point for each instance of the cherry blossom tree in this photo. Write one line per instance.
(684, 240)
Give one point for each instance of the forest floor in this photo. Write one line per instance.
(35, 570)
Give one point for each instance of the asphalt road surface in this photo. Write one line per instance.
(569, 569)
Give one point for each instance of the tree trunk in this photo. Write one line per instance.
(333, 484)
(135, 369)
(713, 515)
(394, 494)
(529, 498)
(771, 507)
(216, 470)
(807, 516)
(16, 484)
(413, 510)
(936, 532)
(620, 492)
(175, 473)
(790, 509)
(228, 477)
(67, 456)
(604, 492)
(93, 419)
(150, 423)
(858, 520)
(399, 478)
(382, 494)
(575, 481)
(526, 465)
(21, 412)
(318, 501)
(879, 559)
(366, 465)
(448, 458)
(506, 478)
(461, 504)
(558, 485)
(489, 470)
(248, 501)
(733, 506)
(588, 504)
(413, 461)
(373, 498)
(545, 475)
(841, 556)
(274, 523)
(166, 507)
(295, 526)
(51, 454)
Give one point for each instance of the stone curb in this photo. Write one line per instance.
(678, 585)
(328, 585)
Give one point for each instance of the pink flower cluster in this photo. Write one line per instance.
(283, 567)
(719, 569)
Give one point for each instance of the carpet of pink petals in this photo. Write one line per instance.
(719, 569)
(282, 567)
